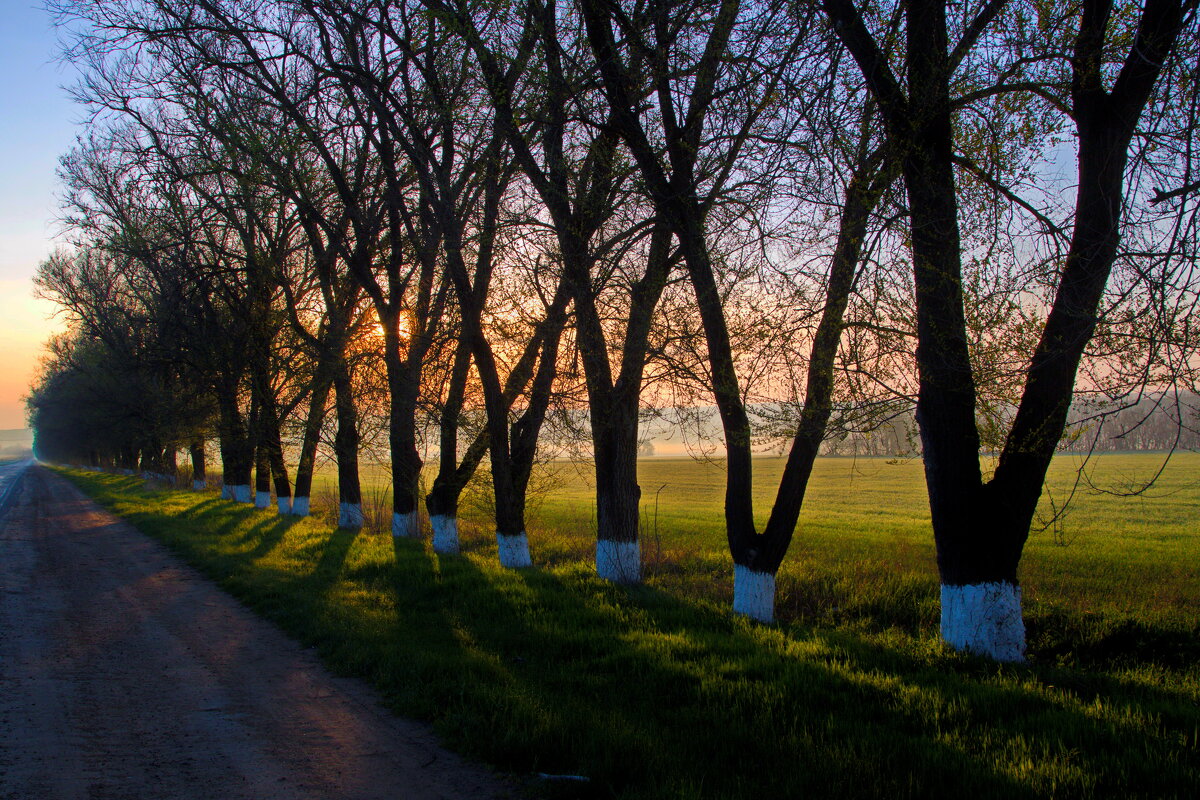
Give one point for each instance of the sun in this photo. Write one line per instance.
(404, 327)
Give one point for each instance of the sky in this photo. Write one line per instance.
(37, 125)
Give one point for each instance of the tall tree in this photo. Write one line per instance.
(555, 122)
(980, 527)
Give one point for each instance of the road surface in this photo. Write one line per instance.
(124, 674)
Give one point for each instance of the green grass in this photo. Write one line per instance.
(657, 691)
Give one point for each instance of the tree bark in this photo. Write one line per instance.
(350, 513)
(403, 387)
(442, 500)
(199, 467)
(313, 422)
(237, 453)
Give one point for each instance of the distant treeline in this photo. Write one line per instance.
(1153, 422)
(1157, 422)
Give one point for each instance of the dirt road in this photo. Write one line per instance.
(124, 674)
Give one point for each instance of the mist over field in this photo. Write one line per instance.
(16, 443)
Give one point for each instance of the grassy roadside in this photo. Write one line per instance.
(657, 692)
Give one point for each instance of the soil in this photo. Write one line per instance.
(125, 674)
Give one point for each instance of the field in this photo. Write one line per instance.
(657, 691)
(867, 520)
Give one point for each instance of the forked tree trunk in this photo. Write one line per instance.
(511, 539)
(980, 529)
(513, 451)
(613, 408)
(453, 475)
(757, 559)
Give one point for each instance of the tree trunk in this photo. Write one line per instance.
(757, 559)
(403, 386)
(442, 500)
(350, 513)
(614, 415)
(313, 421)
(618, 495)
(977, 560)
(279, 472)
(262, 474)
(199, 467)
(237, 453)
(171, 464)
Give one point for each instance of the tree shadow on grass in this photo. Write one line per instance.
(541, 672)
(571, 655)
(650, 695)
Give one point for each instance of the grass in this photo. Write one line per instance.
(657, 691)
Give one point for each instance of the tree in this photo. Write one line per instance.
(980, 528)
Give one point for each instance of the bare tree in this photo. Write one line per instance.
(981, 527)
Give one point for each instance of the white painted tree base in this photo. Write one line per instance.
(284, 504)
(619, 562)
(262, 499)
(350, 515)
(406, 525)
(240, 493)
(226, 491)
(514, 551)
(199, 485)
(445, 534)
(984, 619)
(753, 594)
(299, 506)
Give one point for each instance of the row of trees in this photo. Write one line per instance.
(478, 217)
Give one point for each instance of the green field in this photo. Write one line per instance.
(657, 691)
(867, 520)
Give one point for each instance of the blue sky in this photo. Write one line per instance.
(37, 125)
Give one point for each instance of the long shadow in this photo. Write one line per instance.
(643, 692)
(513, 633)
(525, 626)
(270, 533)
(334, 552)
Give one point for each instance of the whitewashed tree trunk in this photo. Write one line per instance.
(514, 551)
(445, 534)
(984, 619)
(300, 507)
(262, 499)
(241, 493)
(406, 525)
(284, 504)
(753, 593)
(620, 562)
(199, 485)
